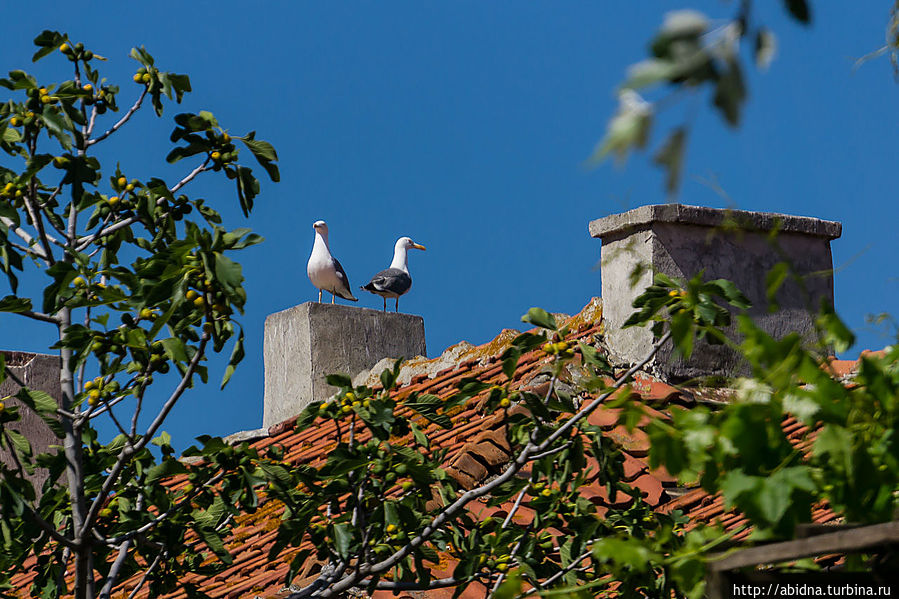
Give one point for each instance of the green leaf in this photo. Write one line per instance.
(11, 136)
(731, 293)
(168, 467)
(162, 440)
(648, 72)
(342, 539)
(427, 405)
(338, 380)
(388, 378)
(774, 496)
(228, 272)
(799, 10)
(510, 587)
(420, 437)
(214, 541)
(14, 304)
(59, 125)
(671, 156)
(773, 281)
(510, 359)
(265, 154)
(247, 188)
(19, 442)
(836, 333)
(39, 401)
(730, 93)
(541, 318)
(237, 354)
(629, 128)
(735, 484)
(175, 349)
(276, 472)
(631, 553)
(682, 333)
(47, 41)
(44, 405)
(765, 48)
(835, 442)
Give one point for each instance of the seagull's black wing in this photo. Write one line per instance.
(390, 281)
(344, 290)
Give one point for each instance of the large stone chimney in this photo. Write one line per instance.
(306, 343)
(741, 246)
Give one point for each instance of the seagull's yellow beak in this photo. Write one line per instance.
(419, 246)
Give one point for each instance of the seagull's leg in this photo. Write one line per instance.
(319, 296)
(397, 303)
(384, 297)
(332, 298)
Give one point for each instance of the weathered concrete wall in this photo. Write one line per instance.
(41, 373)
(680, 241)
(304, 344)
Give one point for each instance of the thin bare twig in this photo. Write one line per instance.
(146, 575)
(116, 567)
(24, 236)
(39, 316)
(515, 506)
(118, 424)
(190, 176)
(550, 452)
(38, 223)
(25, 250)
(134, 108)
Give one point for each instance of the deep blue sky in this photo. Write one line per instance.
(466, 126)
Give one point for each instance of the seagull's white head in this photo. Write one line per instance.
(320, 227)
(407, 244)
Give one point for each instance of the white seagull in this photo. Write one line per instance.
(324, 270)
(394, 281)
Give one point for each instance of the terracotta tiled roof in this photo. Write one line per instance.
(477, 450)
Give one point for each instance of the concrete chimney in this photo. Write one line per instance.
(306, 343)
(38, 372)
(741, 246)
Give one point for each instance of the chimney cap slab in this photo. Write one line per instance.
(644, 216)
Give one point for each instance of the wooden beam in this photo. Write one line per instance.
(844, 541)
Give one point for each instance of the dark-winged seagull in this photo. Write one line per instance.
(394, 281)
(324, 270)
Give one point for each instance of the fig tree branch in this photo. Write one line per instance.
(147, 573)
(190, 176)
(132, 448)
(134, 108)
(166, 514)
(525, 456)
(39, 316)
(24, 236)
(116, 567)
(85, 241)
(26, 250)
(38, 223)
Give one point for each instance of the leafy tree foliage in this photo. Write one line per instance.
(138, 283)
(687, 55)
